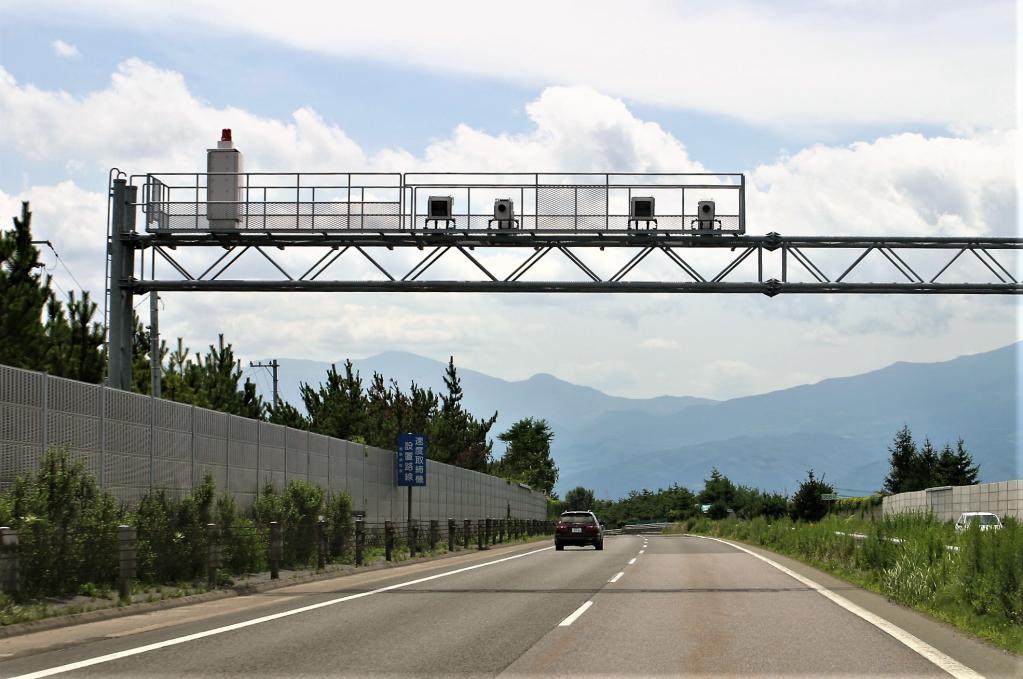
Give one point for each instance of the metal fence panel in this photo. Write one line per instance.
(134, 443)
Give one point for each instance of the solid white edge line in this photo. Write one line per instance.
(632, 561)
(572, 618)
(615, 578)
(936, 657)
(255, 621)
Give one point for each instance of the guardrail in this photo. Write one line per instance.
(644, 528)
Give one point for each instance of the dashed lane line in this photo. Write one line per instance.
(575, 616)
(615, 578)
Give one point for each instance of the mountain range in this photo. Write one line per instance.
(839, 427)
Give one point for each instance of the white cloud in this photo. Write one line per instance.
(65, 50)
(147, 119)
(659, 344)
(783, 64)
(906, 184)
(72, 220)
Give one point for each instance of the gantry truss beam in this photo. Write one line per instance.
(771, 264)
(343, 218)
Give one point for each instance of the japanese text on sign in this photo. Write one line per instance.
(410, 462)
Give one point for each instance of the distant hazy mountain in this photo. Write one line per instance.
(566, 406)
(840, 427)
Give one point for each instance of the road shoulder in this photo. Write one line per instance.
(975, 653)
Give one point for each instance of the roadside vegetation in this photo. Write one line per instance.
(67, 533)
(68, 538)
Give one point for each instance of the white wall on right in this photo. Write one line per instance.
(1004, 498)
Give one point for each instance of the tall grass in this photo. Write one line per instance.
(973, 579)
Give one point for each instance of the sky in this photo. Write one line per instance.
(847, 117)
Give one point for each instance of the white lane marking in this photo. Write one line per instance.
(567, 621)
(632, 561)
(266, 618)
(944, 662)
(641, 551)
(615, 578)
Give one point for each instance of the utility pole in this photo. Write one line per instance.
(154, 344)
(273, 369)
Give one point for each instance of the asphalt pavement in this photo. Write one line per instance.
(644, 606)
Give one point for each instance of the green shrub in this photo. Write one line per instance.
(338, 513)
(297, 510)
(172, 534)
(244, 545)
(67, 527)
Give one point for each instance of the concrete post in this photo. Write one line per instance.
(451, 534)
(321, 545)
(388, 540)
(9, 560)
(488, 538)
(276, 547)
(500, 530)
(413, 537)
(434, 534)
(466, 531)
(214, 554)
(360, 540)
(480, 535)
(127, 560)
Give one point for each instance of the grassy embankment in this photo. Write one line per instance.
(978, 587)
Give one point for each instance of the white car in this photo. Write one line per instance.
(986, 521)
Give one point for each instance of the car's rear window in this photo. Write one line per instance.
(576, 518)
(987, 520)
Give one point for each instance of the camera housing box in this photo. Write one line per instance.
(504, 213)
(440, 207)
(641, 208)
(705, 214)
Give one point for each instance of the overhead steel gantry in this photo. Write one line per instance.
(335, 218)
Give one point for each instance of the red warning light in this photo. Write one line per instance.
(225, 134)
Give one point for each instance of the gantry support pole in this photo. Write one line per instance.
(122, 266)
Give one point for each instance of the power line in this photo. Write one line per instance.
(59, 259)
(272, 365)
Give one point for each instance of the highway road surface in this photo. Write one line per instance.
(644, 606)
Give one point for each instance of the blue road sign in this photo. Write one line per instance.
(410, 462)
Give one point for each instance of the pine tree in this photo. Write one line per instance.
(74, 342)
(337, 407)
(966, 472)
(381, 417)
(807, 504)
(924, 468)
(286, 414)
(718, 492)
(459, 438)
(23, 295)
(946, 471)
(528, 456)
(901, 461)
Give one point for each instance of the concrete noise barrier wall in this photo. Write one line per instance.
(134, 443)
(1004, 498)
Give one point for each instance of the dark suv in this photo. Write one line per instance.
(578, 528)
